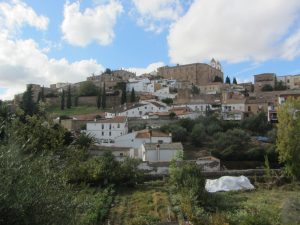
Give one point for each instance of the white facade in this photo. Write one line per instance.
(144, 108)
(159, 152)
(227, 107)
(137, 138)
(164, 93)
(138, 85)
(106, 131)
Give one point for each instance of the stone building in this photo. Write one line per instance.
(111, 79)
(291, 81)
(195, 74)
(260, 80)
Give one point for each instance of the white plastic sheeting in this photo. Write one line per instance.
(228, 183)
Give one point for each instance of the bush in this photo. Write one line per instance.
(87, 88)
(232, 144)
(267, 87)
(178, 133)
(198, 134)
(257, 124)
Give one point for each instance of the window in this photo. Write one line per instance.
(102, 126)
(118, 125)
(110, 126)
(109, 133)
(102, 133)
(249, 108)
(160, 141)
(121, 153)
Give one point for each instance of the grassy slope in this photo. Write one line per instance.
(150, 199)
(56, 111)
(282, 205)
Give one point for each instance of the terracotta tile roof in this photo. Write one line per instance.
(143, 134)
(158, 133)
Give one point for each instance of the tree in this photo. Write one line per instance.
(167, 101)
(87, 88)
(172, 115)
(227, 80)
(108, 71)
(43, 94)
(76, 100)
(280, 86)
(103, 100)
(62, 100)
(257, 124)
(132, 96)
(234, 81)
(69, 98)
(288, 136)
(198, 134)
(178, 132)
(195, 90)
(99, 98)
(28, 105)
(122, 86)
(267, 87)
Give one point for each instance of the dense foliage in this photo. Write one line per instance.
(288, 138)
(228, 140)
(47, 176)
(87, 88)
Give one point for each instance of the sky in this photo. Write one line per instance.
(48, 41)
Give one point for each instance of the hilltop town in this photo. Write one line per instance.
(152, 140)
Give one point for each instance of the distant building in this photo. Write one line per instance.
(196, 73)
(291, 81)
(142, 108)
(159, 152)
(260, 80)
(107, 130)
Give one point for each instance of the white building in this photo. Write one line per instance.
(137, 138)
(159, 152)
(106, 131)
(233, 109)
(139, 85)
(143, 108)
(164, 93)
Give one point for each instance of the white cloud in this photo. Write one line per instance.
(97, 24)
(150, 68)
(156, 15)
(15, 14)
(235, 30)
(22, 62)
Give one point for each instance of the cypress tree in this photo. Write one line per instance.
(76, 100)
(69, 98)
(103, 101)
(43, 94)
(62, 103)
(28, 105)
(227, 81)
(234, 81)
(99, 99)
(132, 96)
(124, 94)
(39, 97)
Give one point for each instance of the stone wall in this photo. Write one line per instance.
(91, 101)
